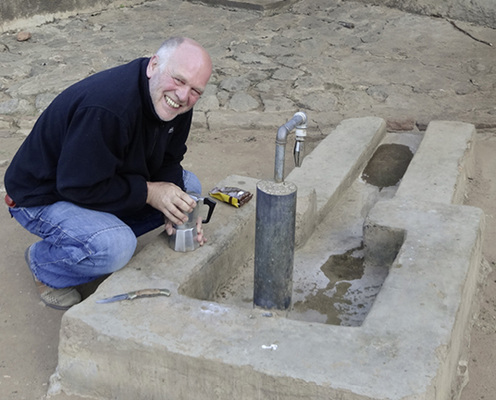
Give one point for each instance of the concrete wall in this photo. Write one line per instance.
(21, 14)
(481, 12)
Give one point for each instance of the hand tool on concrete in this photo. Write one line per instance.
(136, 295)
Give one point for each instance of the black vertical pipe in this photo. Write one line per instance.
(274, 244)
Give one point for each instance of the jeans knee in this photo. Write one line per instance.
(191, 183)
(113, 248)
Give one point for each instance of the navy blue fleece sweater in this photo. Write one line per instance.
(97, 145)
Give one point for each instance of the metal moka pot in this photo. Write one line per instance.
(185, 236)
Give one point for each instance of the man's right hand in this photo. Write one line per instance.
(171, 200)
(200, 238)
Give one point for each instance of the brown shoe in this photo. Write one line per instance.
(60, 299)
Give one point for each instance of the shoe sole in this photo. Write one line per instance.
(28, 262)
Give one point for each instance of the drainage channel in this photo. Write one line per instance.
(333, 284)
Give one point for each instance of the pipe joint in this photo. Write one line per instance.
(298, 121)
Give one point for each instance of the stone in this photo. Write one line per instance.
(14, 106)
(43, 100)
(208, 103)
(251, 58)
(286, 74)
(405, 124)
(22, 36)
(324, 101)
(243, 102)
(378, 93)
(9, 106)
(5, 124)
(235, 84)
(277, 104)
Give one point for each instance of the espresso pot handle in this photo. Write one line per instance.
(211, 205)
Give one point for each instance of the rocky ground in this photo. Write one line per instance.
(333, 60)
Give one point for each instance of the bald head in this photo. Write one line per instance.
(169, 46)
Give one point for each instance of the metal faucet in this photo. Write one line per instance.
(299, 121)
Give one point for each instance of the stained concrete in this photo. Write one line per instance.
(391, 64)
(28, 13)
(15, 14)
(412, 344)
(482, 12)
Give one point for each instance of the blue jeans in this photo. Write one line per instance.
(79, 245)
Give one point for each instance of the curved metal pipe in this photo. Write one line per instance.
(299, 121)
(275, 225)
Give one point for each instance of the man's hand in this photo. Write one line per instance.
(171, 200)
(200, 238)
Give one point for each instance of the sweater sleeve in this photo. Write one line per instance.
(89, 171)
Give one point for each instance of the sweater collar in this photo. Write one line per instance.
(148, 107)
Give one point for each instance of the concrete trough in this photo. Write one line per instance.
(411, 345)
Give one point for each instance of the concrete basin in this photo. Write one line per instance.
(202, 343)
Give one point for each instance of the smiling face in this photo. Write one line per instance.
(177, 83)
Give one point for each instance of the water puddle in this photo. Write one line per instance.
(350, 292)
(388, 165)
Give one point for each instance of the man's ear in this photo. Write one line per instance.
(152, 66)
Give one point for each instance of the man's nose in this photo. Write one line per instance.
(183, 93)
